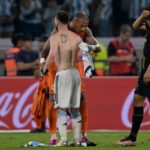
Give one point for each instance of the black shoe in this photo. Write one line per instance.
(87, 142)
(37, 130)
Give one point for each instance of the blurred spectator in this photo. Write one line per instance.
(135, 8)
(30, 18)
(36, 16)
(42, 40)
(27, 59)
(76, 5)
(120, 14)
(49, 13)
(10, 57)
(121, 53)
(8, 13)
(101, 18)
(135, 11)
(101, 62)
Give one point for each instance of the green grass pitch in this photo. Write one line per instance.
(104, 140)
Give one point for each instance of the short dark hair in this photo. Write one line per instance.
(16, 37)
(125, 28)
(81, 14)
(63, 17)
(146, 7)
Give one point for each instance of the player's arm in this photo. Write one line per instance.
(51, 55)
(44, 53)
(26, 66)
(45, 50)
(146, 78)
(91, 41)
(140, 22)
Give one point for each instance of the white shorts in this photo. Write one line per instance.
(67, 89)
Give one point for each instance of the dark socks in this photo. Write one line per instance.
(136, 122)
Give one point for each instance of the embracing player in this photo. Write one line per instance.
(79, 25)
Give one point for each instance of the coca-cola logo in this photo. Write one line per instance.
(126, 111)
(20, 110)
(15, 106)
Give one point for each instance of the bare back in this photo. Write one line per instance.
(67, 49)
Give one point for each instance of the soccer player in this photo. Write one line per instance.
(142, 89)
(79, 25)
(63, 49)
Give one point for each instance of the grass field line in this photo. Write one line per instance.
(26, 131)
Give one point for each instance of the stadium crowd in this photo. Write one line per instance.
(30, 16)
(106, 18)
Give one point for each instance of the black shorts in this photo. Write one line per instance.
(142, 88)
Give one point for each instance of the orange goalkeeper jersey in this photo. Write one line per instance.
(45, 88)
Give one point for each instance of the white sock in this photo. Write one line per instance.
(76, 124)
(62, 125)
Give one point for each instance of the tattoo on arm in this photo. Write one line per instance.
(63, 38)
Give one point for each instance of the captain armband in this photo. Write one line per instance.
(42, 60)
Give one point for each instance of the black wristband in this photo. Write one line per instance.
(42, 73)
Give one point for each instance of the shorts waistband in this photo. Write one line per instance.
(67, 69)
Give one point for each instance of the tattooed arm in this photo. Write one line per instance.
(52, 53)
(91, 41)
(45, 50)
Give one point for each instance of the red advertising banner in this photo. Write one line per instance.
(109, 101)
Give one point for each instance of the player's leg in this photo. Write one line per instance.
(137, 118)
(141, 90)
(51, 114)
(53, 122)
(75, 105)
(76, 125)
(84, 116)
(62, 126)
(63, 90)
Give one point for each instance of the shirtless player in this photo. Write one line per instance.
(64, 46)
(79, 25)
